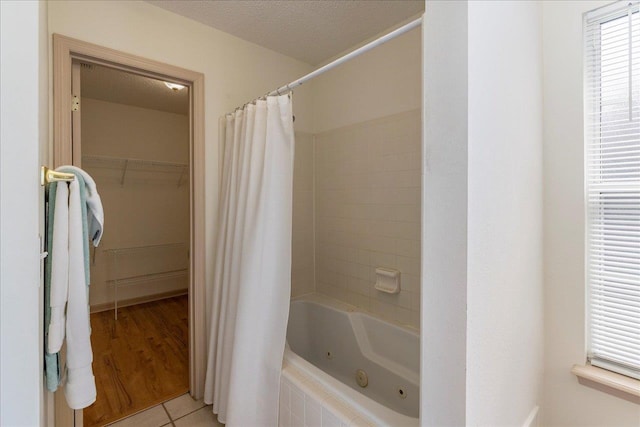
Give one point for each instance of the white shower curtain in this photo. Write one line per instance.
(252, 283)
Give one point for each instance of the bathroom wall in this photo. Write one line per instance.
(367, 178)
(302, 257)
(504, 214)
(235, 71)
(368, 213)
(444, 214)
(566, 402)
(482, 217)
(149, 208)
(380, 83)
(23, 115)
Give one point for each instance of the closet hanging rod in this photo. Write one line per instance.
(282, 90)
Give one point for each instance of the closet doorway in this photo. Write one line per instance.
(134, 142)
(136, 126)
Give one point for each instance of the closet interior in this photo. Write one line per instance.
(135, 144)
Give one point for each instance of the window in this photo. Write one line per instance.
(612, 174)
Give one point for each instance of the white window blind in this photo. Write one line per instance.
(612, 173)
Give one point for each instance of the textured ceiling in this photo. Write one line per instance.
(309, 30)
(109, 84)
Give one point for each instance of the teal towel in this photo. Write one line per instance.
(51, 361)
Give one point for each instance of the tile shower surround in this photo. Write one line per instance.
(360, 185)
(302, 263)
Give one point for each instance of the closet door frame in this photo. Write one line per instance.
(65, 50)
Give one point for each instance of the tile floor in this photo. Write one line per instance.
(182, 411)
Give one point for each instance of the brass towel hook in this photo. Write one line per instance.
(47, 175)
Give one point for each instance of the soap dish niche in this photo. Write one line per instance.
(387, 280)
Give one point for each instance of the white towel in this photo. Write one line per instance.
(69, 288)
(80, 387)
(59, 268)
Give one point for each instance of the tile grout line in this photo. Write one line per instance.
(168, 414)
(188, 413)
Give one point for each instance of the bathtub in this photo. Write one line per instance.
(348, 365)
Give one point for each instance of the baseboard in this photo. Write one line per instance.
(532, 419)
(138, 300)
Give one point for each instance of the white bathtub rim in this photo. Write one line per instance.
(376, 412)
(338, 305)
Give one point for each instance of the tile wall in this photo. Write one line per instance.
(302, 269)
(367, 213)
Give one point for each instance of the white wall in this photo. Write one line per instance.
(566, 402)
(235, 71)
(504, 294)
(23, 130)
(482, 214)
(444, 214)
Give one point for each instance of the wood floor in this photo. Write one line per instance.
(139, 360)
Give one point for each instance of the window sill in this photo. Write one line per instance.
(609, 382)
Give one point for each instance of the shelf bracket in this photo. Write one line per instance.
(124, 171)
(184, 170)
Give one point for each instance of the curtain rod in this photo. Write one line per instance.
(359, 51)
